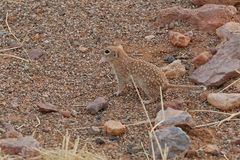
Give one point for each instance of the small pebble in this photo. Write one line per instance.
(66, 114)
(99, 141)
(169, 58)
(148, 38)
(189, 34)
(115, 128)
(114, 138)
(131, 149)
(171, 25)
(94, 130)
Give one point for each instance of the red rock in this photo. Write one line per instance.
(114, 128)
(207, 17)
(223, 65)
(47, 107)
(227, 2)
(66, 114)
(35, 54)
(18, 145)
(202, 58)
(179, 39)
(97, 105)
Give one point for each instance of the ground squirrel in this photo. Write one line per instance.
(147, 76)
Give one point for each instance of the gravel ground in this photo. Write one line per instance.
(69, 78)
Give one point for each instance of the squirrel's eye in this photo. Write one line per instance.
(106, 52)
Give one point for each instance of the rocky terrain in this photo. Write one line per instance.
(51, 81)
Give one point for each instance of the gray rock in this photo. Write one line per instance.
(18, 145)
(225, 62)
(174, 117)
(99, 141)
(97, 105)
(46, 107)
(174, 138)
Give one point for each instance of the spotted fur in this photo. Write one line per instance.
(147, 76)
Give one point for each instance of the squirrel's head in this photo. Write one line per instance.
(112, 53)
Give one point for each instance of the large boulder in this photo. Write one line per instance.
(207, 17)
(225, 62)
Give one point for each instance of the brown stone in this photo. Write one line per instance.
(179, 39)
(207, 17)
(202, 58)
(114, 128)
(223, 65)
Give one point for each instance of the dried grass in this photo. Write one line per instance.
(65, 153)
(163, 151)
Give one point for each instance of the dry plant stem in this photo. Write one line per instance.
(218, 123)
(16, 57)
(229, 85)
(161, 97)
(151, 141)
(8, 49)
(10, 30)
(237, 71)
(139, 123)
(39, 122)
(211, 111)
(149, 120)
(163, 112)
(145, 152)
(228, 118)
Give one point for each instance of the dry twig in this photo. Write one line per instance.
(165, 152)
(19, 43)
(219, 123)
(13, 56)
(145, 152)
(39, 122)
